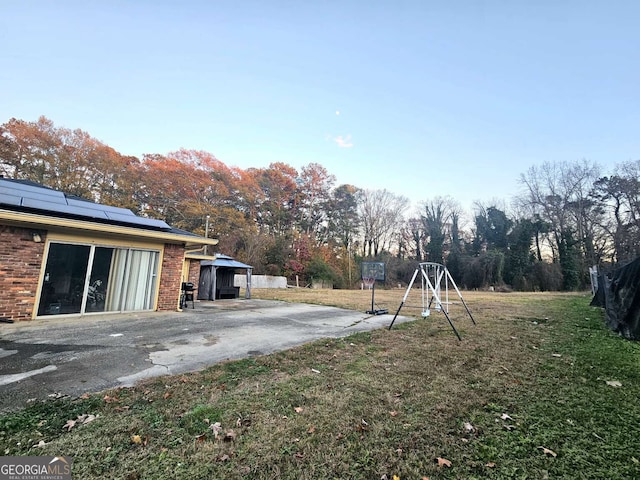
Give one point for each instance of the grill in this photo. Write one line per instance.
(187, 295)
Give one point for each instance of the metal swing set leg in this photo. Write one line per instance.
(440, 272)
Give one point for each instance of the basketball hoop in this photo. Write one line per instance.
(368, 282)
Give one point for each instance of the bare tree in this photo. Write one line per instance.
(382, 215)
(558, 194)
(619, 198)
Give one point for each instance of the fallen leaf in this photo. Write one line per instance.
(393, 413)
(69, 425)
(425, 478)
(201, 438)
(443, 462)
(136, 439)
(84, 419)
(490, 465)
(224, 458)
(166, 395)
(85, 396)
(216, 428)
(229, 436)
(395, 477)
(312, 429)
(299, 409)
(509, 427)
(614, 383)
(109, 399)
(505, 416)
(315, 371)
(469, 428)
(41, 423)
(41, 443)
(546, 451)
(557, 355)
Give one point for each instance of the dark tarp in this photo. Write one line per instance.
(619, 294)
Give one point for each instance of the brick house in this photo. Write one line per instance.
(63, 255)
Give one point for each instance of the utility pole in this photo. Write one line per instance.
(206, 232)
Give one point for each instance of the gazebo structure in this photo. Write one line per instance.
(216, 278)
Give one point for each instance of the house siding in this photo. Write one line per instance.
(20, 263)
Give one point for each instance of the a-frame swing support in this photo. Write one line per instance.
(436, 272)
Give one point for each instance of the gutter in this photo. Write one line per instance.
(47, 222)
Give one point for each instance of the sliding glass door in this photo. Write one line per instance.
(89, 278)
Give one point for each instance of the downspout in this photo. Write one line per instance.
(197, 250)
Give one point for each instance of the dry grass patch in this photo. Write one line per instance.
(375, 404)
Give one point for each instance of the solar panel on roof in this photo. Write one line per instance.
(31, 192)
(69, 209)
(19, 194)
(140, 220)
(77, 202)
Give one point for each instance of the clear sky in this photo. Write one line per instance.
(423, 98)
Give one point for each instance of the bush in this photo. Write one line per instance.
(321, 270)
(546, 277)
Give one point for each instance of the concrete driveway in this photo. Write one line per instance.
(71, 356)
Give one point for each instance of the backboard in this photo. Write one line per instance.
(374, 270)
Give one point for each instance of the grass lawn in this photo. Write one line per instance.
(539, 388)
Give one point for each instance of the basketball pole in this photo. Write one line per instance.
(373, 294)
(373, 311)
(370, 272)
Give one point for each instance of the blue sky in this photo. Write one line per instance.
(423, 98)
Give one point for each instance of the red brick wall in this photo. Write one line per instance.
(20, 260)
(171, 279)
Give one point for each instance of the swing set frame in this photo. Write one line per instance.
(435, 279)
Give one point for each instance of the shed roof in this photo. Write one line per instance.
(225, 261)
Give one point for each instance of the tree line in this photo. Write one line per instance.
(302, 224)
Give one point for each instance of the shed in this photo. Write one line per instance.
(216, 278)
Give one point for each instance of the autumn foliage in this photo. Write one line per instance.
(299, 223)
(274, 218)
